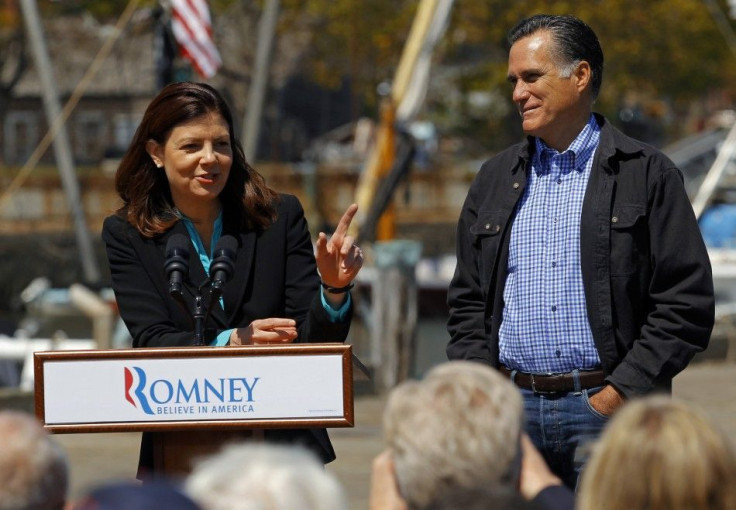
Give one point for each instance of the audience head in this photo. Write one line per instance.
(254, 476)
(660, 454)
(34, 473)
(134, 495)
(458, 427)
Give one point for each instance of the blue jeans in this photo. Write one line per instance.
(563, 427)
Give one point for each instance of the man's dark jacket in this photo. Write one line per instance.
(646, 273)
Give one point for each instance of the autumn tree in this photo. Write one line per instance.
(665, 53)
(661, 52)
(355, 39)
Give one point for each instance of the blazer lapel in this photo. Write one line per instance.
(236, 289)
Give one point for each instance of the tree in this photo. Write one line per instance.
(660, 52)
(665, 54)
(354, 39)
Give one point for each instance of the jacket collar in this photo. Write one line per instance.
(613, 145)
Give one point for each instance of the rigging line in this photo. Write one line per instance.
(77, 94)
(723, 24)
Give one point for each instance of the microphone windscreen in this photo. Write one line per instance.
(177, 243)
(227, 245)
(223, 260)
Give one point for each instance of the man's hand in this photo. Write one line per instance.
(384, 488)
(535, 474)
(607, 401)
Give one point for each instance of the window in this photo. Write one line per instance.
(90, 137)
(21, 136)
(124, 126)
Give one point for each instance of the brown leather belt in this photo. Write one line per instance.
(555, 383)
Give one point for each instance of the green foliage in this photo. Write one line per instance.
(668, 53)
(656, 52)
(358, 39)
(665, 51)
(102, 10)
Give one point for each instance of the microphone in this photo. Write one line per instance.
(176, 266)
(223, 263)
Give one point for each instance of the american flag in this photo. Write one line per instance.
(192, 28)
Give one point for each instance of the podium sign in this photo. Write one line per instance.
(167, 389)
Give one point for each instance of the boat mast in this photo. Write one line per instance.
(62, 148)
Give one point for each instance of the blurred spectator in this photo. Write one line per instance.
(460, 427)
(34, 471)
(156, 495)
(660, 454)
(252, 476)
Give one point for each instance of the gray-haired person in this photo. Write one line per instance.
(459, 428)
(34, 470)
(256, 476)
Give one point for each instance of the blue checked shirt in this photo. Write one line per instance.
(545, 326)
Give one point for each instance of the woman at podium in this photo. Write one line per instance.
(186, 188)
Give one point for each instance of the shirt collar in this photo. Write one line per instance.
(580, 150)
(198, 244)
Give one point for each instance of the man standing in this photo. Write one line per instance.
(581, 272)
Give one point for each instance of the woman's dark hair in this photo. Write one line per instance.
(575, 41)
(144, 189)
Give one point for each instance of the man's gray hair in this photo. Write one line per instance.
(458, 427)
(34, 471)
(574, 42)
(258, 476)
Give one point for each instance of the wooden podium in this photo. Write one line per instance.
(195, 399)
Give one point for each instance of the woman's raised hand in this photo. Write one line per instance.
(338, 258)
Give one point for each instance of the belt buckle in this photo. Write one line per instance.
(537, 391)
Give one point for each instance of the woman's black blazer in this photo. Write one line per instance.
(275, 276)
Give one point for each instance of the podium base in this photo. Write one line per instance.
(175, 453)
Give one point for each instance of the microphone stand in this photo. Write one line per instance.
(199, 316)
(220, 271)
(201, 311)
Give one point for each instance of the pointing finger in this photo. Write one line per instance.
(347, 218)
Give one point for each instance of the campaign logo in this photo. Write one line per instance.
(224, 395)
(135, 383)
